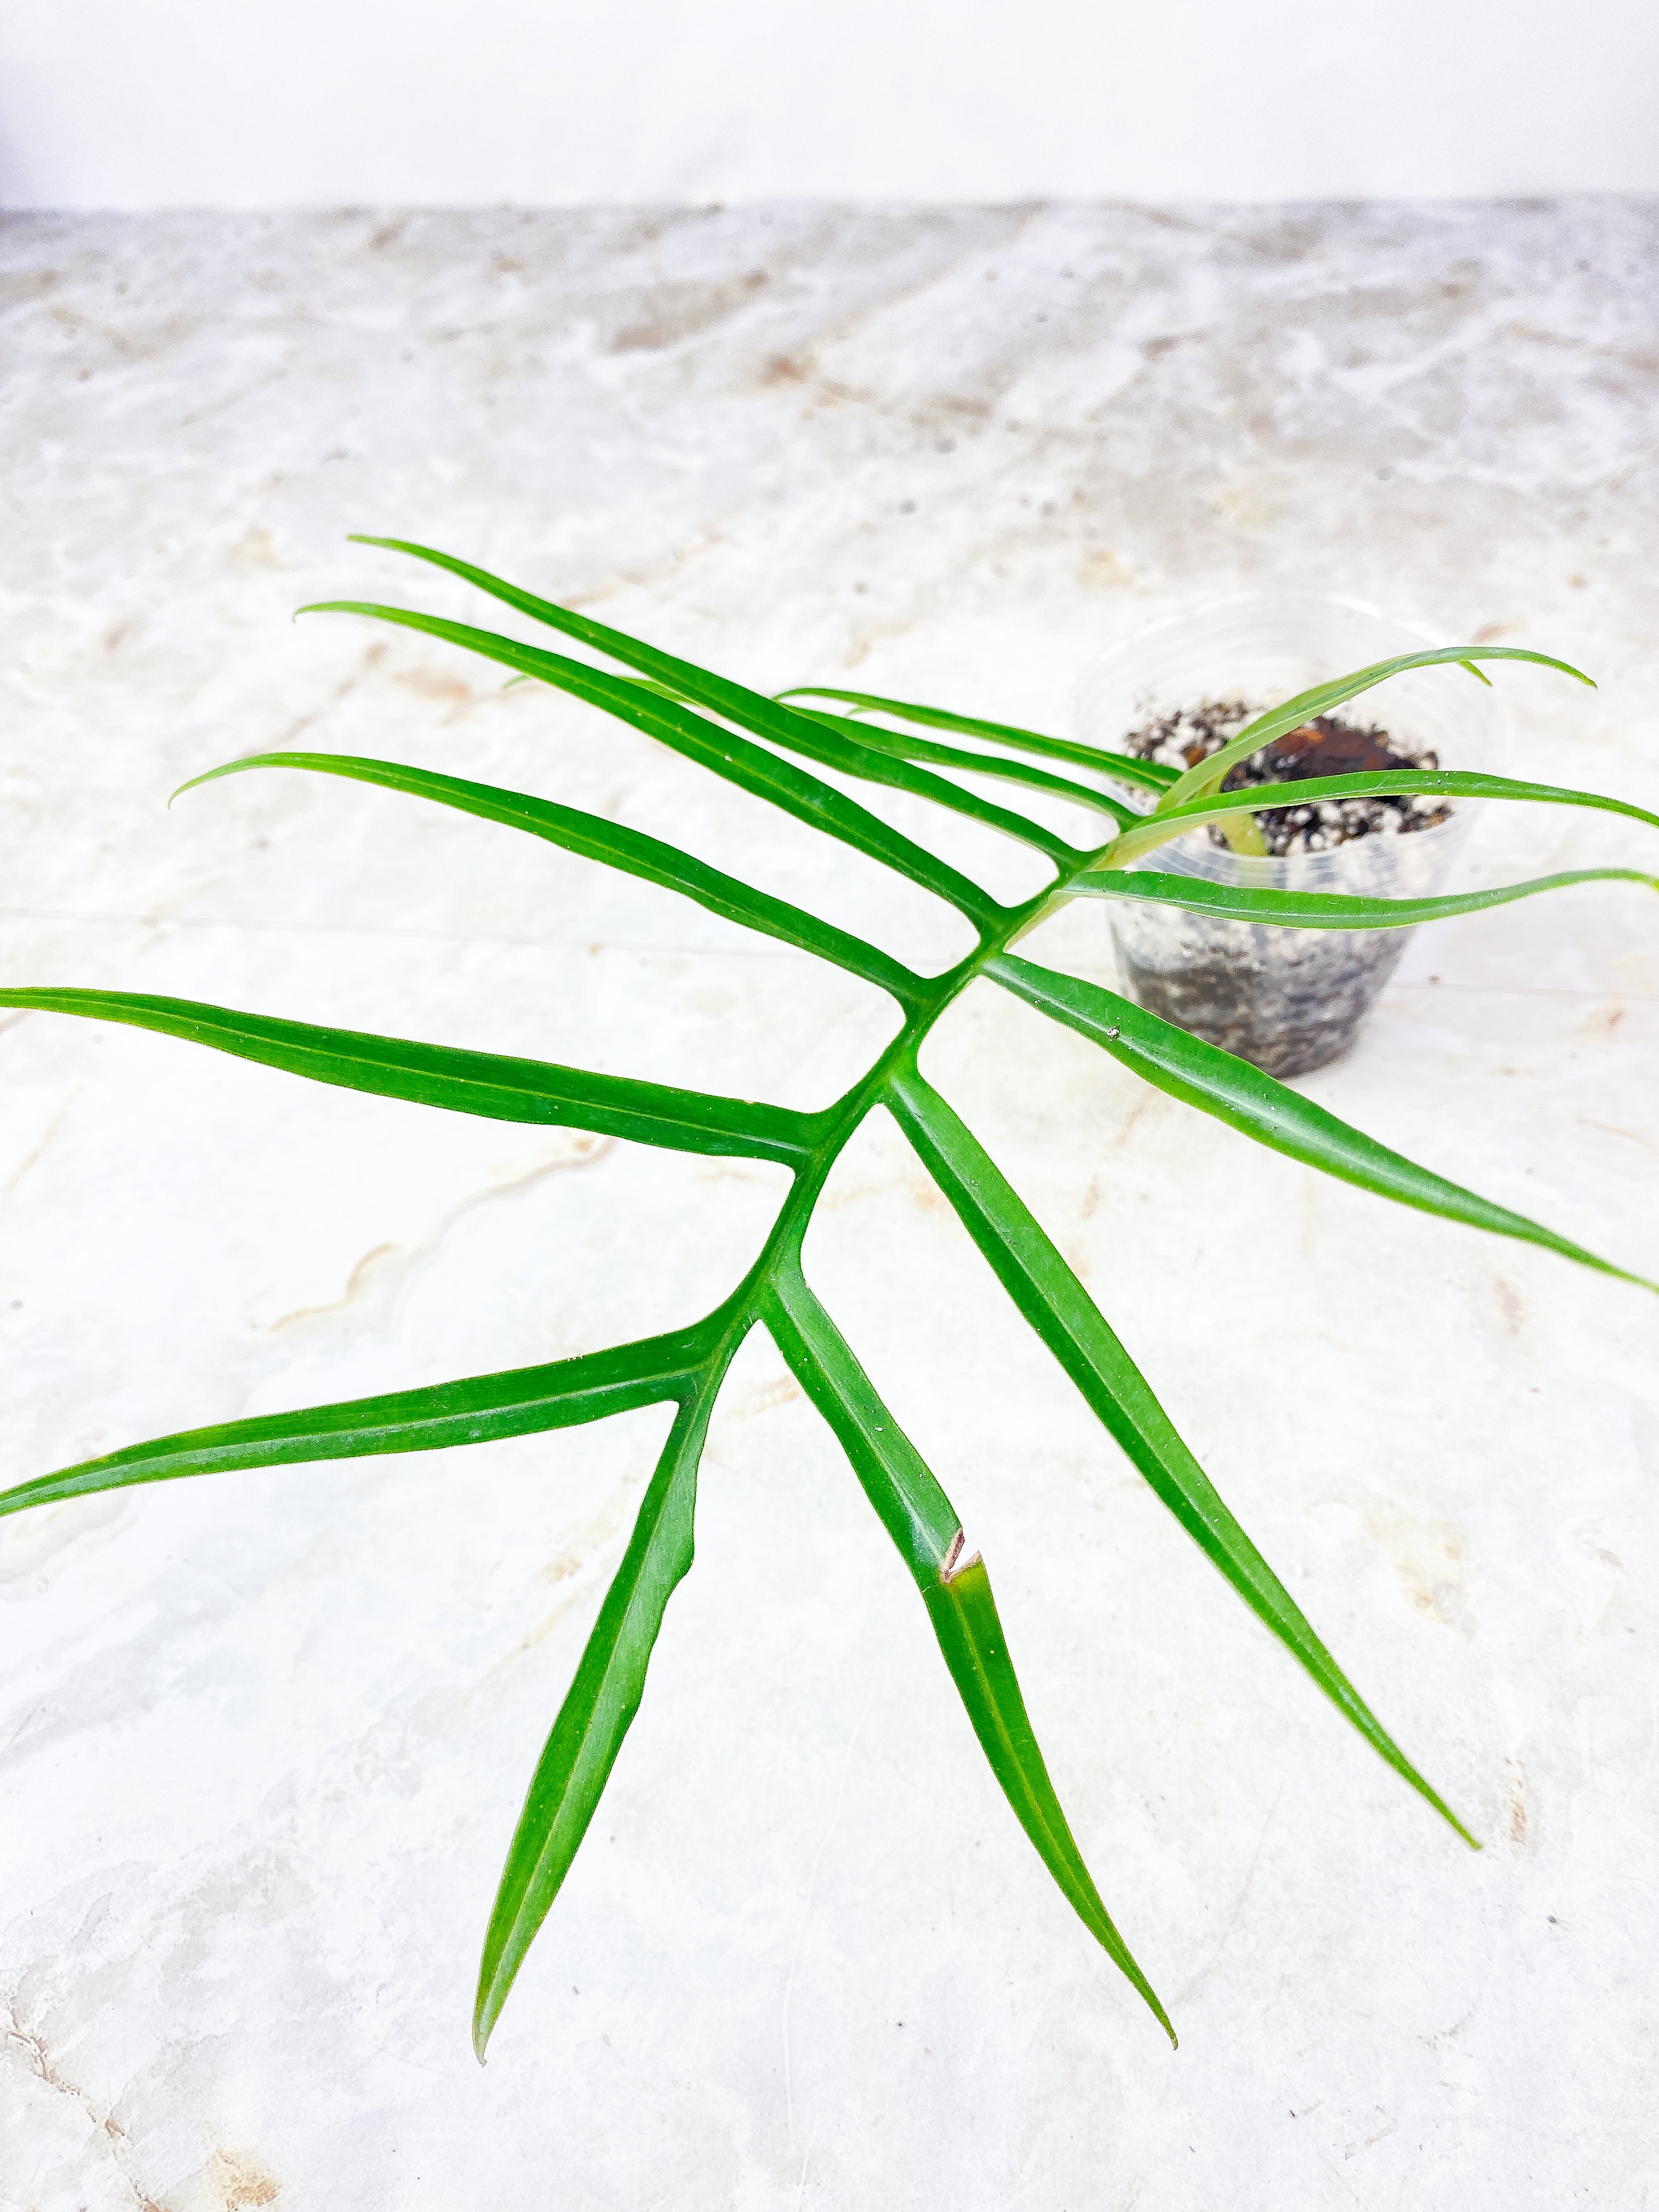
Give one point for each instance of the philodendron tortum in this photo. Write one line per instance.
(759, 744)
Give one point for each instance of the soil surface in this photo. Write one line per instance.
(1326, 746)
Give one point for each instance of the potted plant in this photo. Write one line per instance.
(760, 743)
(1290, 1001)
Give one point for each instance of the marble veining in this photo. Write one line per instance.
(263, 1738)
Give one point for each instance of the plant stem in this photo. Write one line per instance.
(937, 994)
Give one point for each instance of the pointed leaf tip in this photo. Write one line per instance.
(1260, 1107)
(1210, 773)
(1055, 1304)
(600, 1704)
(955, 1591)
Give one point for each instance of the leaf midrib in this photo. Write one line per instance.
(937, 994)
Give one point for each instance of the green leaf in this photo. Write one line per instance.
(822, 737)
(1066, 1317)
(736, 733)
(598, 1707)
(1307, 705)
(1158, 829)
(909, 1504)
(1326, 910)
(970, 1635)
(725, 752)
(485, 1083)
(615, 846)
(1148, 775)
(479, 1409)
(819, 737)
(872, 736)
(1258, 1105)
(957, 1591)
(750, 710)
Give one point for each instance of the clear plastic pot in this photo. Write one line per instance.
(1288, 999)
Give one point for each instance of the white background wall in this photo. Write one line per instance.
(147, 103)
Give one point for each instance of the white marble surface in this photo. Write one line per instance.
(264, 1737)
